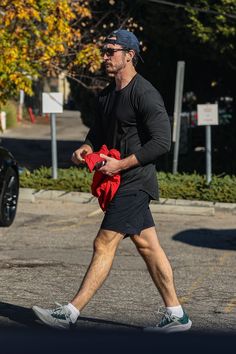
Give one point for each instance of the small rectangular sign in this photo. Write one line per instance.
(207, 114)
(52, 102)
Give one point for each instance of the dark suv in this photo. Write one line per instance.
(9, 187)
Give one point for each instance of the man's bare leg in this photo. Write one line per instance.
(62, 317)
(105, 246)
(158, 265)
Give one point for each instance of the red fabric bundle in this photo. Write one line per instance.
(103, 187)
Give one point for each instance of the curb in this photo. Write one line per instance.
(33, 195)
(173, 206)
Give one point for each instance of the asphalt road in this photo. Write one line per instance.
(45, 253)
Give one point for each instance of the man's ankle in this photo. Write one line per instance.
(74, 312)
(175, 310)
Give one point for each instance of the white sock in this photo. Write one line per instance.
(74, 312)
(176, 311)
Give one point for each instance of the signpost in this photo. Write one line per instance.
(21, 104)
(177, 111)
(53, 103)
(208, 116)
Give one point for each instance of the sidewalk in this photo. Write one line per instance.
(69, 127)
(174, 206)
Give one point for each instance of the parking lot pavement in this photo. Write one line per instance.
(45, 253)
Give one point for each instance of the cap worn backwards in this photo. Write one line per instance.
(124, 38)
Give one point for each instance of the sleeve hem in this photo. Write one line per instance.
(139, 158)
(88, 142)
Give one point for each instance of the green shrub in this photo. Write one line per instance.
(72, 179)
(11, 113)
(194, 187)
(179, 186)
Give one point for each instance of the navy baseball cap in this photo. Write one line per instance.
(124, 38)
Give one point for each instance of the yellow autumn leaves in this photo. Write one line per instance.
(36, 35)
(89, 57)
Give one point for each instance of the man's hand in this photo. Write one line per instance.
(114, 166)
(78, 155)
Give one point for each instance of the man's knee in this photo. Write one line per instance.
(147, 245)
(106, 241)
(145, 249)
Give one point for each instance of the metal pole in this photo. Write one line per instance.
(21, 104)
(177, 111)
(54, 145)
(208, 153)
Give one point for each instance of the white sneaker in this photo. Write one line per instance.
(170, 323)
(57, 318)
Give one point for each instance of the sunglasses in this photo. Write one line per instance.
(110, 51)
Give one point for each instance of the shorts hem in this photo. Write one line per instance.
(128, 232)
(112, 229)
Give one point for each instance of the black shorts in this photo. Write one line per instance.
(128, 213)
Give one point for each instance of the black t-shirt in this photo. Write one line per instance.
(134, 121)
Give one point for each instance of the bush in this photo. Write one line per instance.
(11, 113)
(194, 187)
(179, 186)
(72, 179)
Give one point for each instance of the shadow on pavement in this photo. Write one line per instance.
(33, 154)
(26, 316)
(108, 323)
(19, 314)
(37, 341)
(217, 239)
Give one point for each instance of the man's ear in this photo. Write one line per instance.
(131, 54)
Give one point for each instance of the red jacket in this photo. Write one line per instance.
(104, 187)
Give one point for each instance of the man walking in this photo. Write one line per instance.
(131, 118)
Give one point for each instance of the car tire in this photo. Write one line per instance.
(9, 198)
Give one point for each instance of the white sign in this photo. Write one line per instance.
(207, 114)
(52, 102)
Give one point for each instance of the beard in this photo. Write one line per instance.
(112, 69)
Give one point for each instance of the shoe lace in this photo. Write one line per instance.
(166, 316)
(61, 310)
